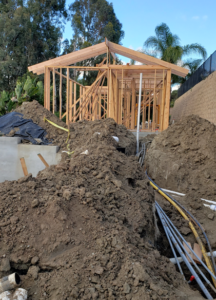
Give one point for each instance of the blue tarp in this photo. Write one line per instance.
(28, 130)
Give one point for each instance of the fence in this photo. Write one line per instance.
(208, 67)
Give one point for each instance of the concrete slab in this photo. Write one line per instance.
(11, 150)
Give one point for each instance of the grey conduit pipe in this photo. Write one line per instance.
(190, 258)
(202, 263)
(173, 250)
(193, 272)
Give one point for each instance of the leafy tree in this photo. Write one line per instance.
(167, 46)
(30, 33)
(93, 20)
(174, 96)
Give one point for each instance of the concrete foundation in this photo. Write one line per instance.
(11, 150)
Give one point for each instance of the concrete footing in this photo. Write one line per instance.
(11, 150)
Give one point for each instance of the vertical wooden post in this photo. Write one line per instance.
(71, 112)
(122, 95)
(81, 100)
(25, 171)
(47, 88)
(128, 109)
(75, 91)
(133, 104)
(116, 98)
(149, 103)
(167, 105)
(162, 102)
(108, 88)
(67, 98)
(54, 92)
(60, 95)
(144, 108)
(154, 105)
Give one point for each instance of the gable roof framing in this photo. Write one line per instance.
(92, 51)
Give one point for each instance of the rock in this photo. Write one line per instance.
(126, 288)
(94, 279)
(33, 271)
(24, 179)
(75, 293)
(61, 166)
(67, 194)
(35, 203)
(34, 260)
(14, 220)
(185, 230)
(139, 272)
(117, 183)
(5, 265)
(98, 270)
(211, 216)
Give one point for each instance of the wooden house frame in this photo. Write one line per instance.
(119, 98)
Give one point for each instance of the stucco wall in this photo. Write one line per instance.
(200, 100)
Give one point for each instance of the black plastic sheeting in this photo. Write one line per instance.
(28, 130)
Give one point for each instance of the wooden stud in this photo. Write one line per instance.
(67, 98)
(133, 104)
(60, 94)
(71, 101)
(25, 171)
(43, 160)
(75, 92)
(144, 108)
(167, 104)
(149, 108)
(154, 106)
(54, 92)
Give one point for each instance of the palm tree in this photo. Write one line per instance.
(168, 47)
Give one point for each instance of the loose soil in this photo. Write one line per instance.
(86, 228)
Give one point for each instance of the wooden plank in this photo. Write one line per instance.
(128, 109)
(133, 104)
(67, 98)
(112, 53)
(43, 160)
(146, 59)
(60, 74)
(71, 101)
(144, 108)
(71, 58)
(45, 87)
(23, 164)
(137, 68)
(54, 92)
(149, 109)
(167, 103)
(122, 96)
(75, 92)
(60, 94)
(154, 106)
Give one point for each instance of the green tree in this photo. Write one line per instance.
(30, 33)
(93, 20)
(168, 48)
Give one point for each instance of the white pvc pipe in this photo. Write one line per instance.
(180, 194)
(9, 282)
(173, 260)
(168, 191)
(138, 115)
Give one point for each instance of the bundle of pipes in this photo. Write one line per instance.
(190, 218)
(176, 240)
(142, 153)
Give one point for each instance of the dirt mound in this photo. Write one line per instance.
(80, 131)
(85, 229)
(182, 158)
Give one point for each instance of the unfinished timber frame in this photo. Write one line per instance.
(114, 93)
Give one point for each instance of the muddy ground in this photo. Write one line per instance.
(86, 228)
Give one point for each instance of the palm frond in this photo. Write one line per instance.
(195, 48)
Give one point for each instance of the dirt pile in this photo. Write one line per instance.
(80, 132)
(182, 158)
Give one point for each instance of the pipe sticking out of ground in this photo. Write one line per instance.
(9, 282)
